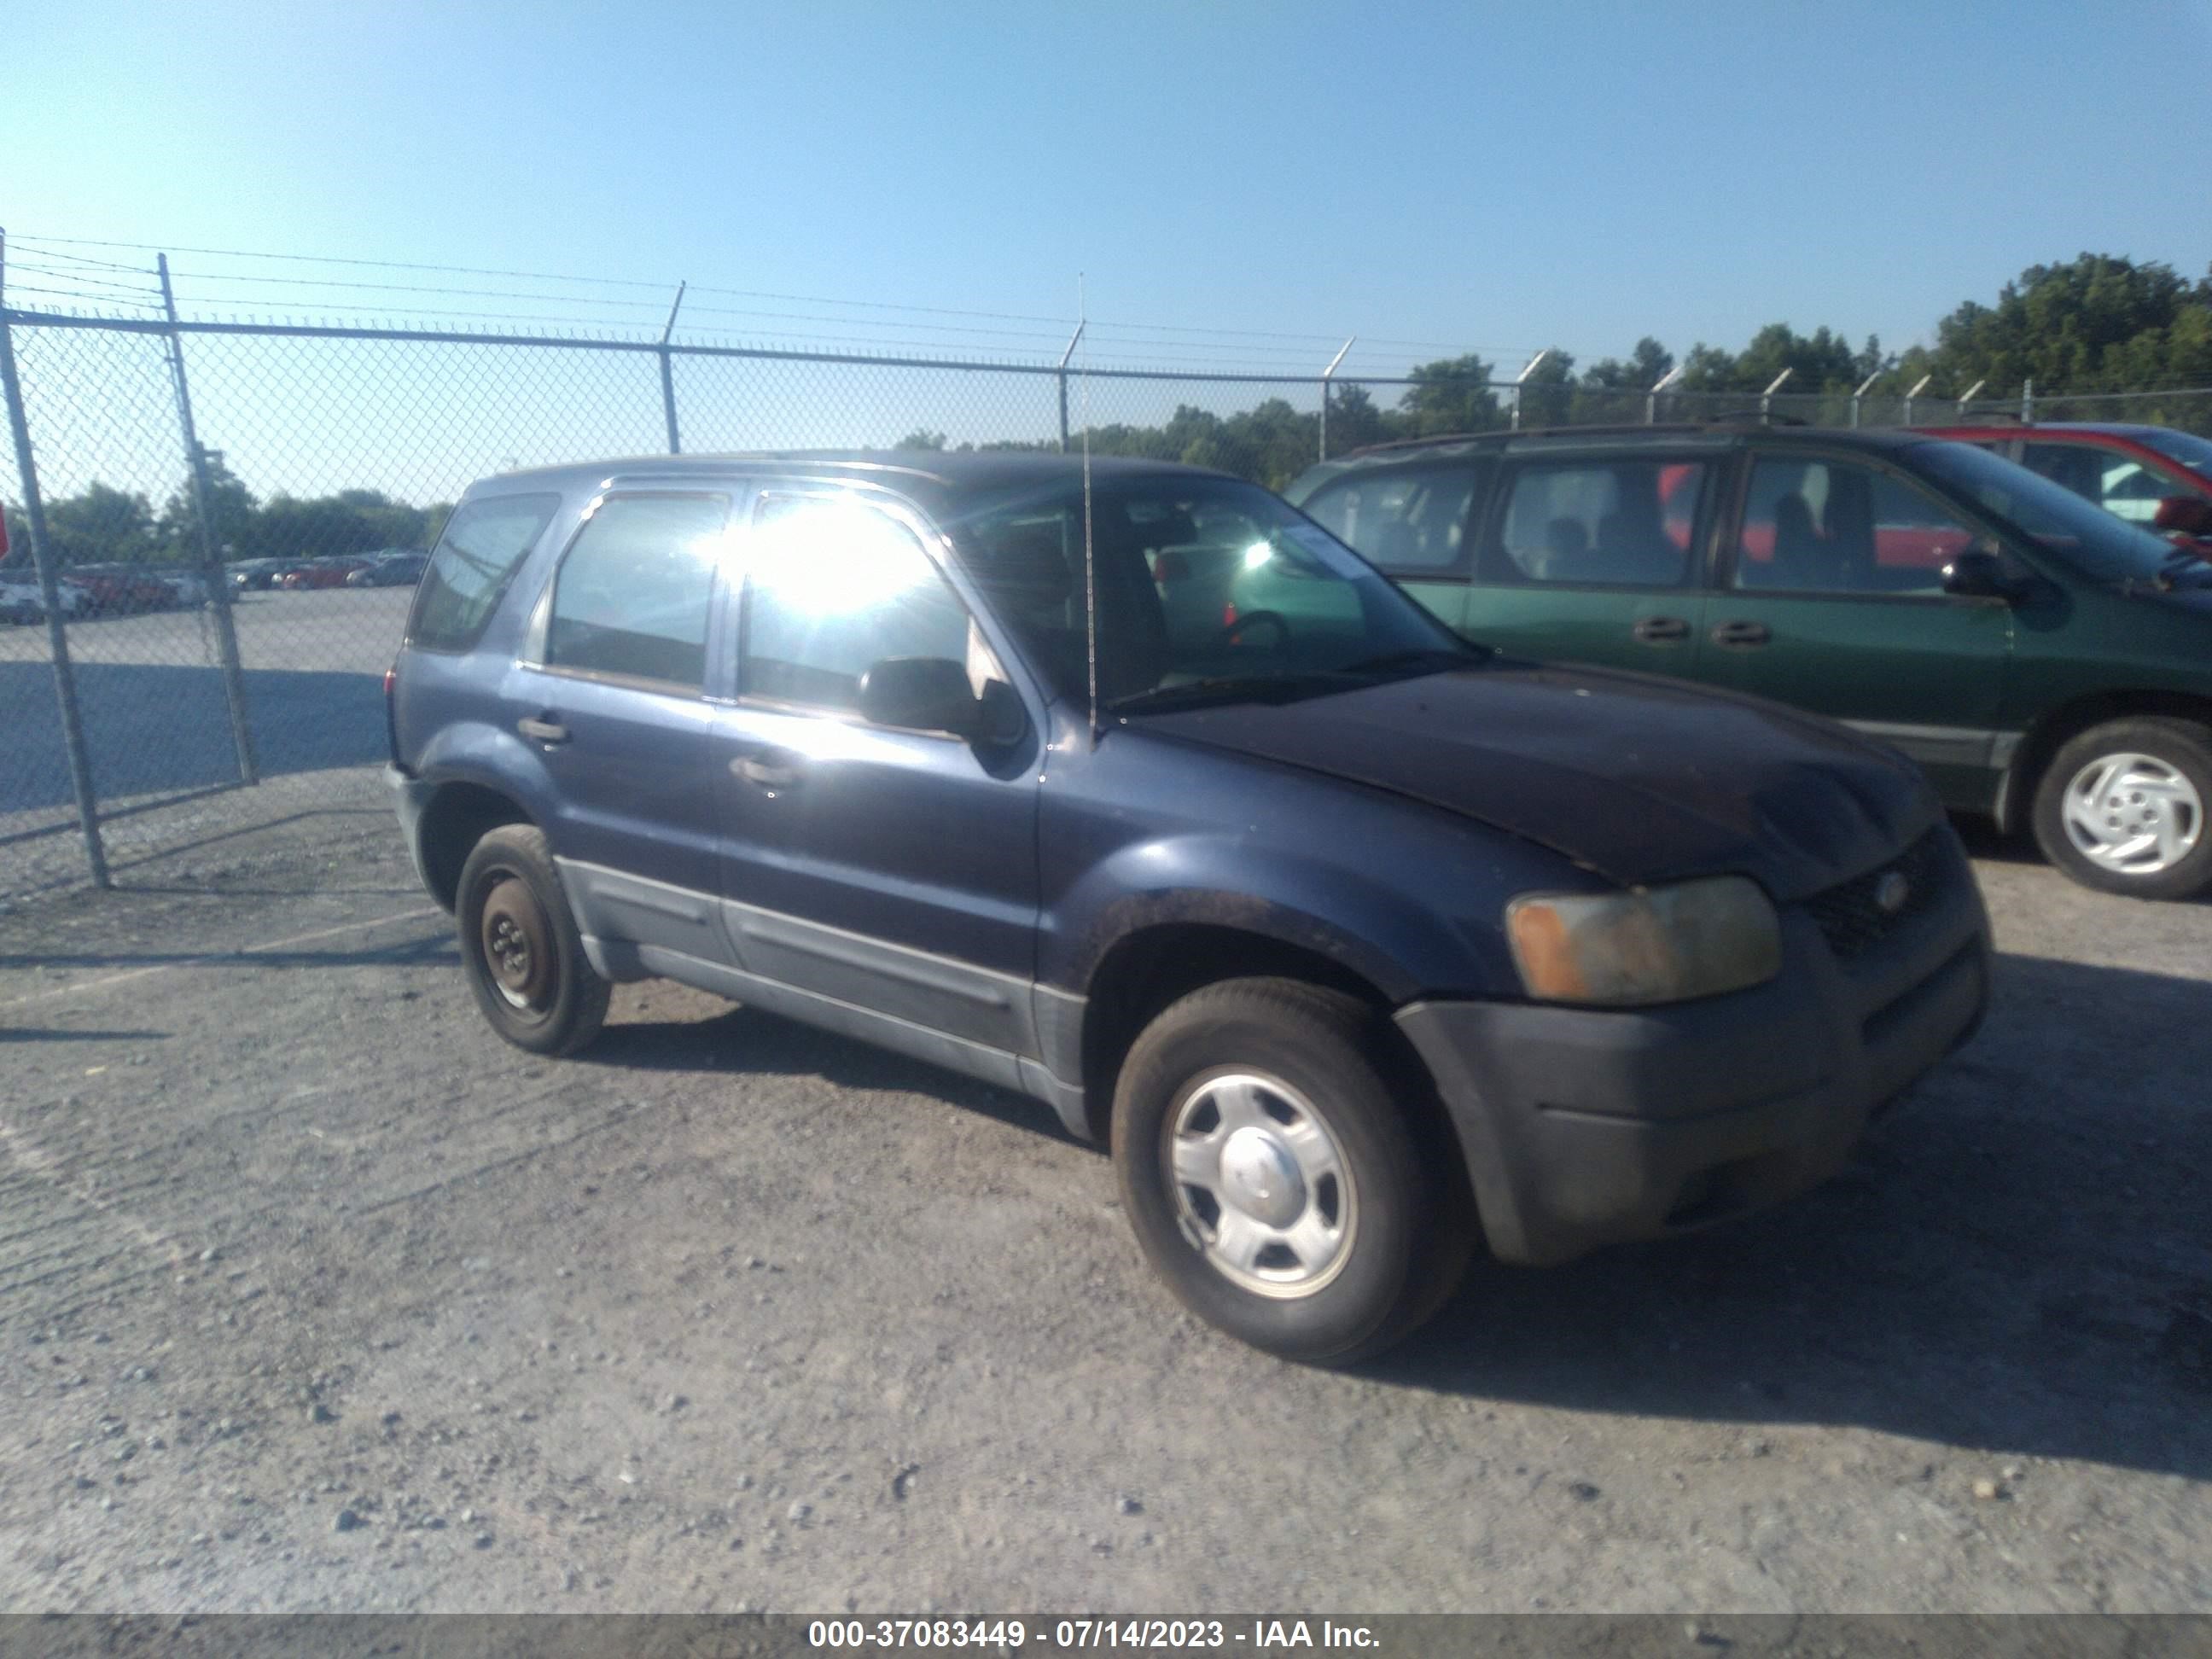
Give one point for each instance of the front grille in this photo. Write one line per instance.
(1850, 915)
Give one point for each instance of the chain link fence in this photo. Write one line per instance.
(226, 509)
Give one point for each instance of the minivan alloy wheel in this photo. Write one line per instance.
(1261, 1187)
(2133, 814)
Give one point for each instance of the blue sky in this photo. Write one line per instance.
(1474, 176)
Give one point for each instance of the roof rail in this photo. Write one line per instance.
(1730, 417)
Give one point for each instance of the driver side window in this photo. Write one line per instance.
(832, 587)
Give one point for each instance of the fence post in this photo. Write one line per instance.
(667, 374)
(1651, 398)
(1325, 375)
(2027, 402)
(211, 572)
(34, 516)
(1862, 392)
(1062, 376)
(1918, 386)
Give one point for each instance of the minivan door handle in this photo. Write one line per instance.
(1660, 630)
(1742, 634)
(548, 732)
(766, 773)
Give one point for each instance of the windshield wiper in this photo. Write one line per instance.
(1436, 657)
(1231, 687)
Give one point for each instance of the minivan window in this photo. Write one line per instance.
(1409, 521)
(484, 541)
(1828, 527)
(632, 596)
(834, 586)
(2052, 516)
(1605, 523)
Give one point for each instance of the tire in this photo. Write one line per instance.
(2111, 790)
(1366, 1234)
(520, 946)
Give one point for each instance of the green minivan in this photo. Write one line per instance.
(2046, 663)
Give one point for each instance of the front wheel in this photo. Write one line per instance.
(521, 948)
(1274, 1176)
(2121, 808)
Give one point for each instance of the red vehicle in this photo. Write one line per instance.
(2154, 476)
(112, 590)
(322, 573)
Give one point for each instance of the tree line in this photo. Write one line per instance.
(2098, 324)
(104, 525)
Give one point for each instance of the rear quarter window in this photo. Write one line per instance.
(484, 543)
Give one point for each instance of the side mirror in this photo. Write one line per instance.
(2185, 515)
(922, 693)
(1978, 574)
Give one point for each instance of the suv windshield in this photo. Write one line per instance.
(1208, 588)
(2053, 516)
(2186, 448)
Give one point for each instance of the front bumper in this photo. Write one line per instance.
(1584, 1127)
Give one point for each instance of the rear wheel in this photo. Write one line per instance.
(521, 948)
(1274, 1178)
(2122, 806)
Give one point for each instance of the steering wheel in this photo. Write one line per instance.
(1231, 631)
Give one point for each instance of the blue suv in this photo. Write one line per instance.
(1360, 945)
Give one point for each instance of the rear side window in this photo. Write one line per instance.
(635, 589)
(484, 543)
(1409, 521)
(1620, 524)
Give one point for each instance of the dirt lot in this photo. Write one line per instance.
(313, 1295)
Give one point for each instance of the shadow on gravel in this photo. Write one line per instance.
(154, 727)
(749, 1042)
(2021, 1262)
(42, 1034)
(435, 945)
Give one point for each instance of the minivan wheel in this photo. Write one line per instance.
(1274, 1177)
(2121, 808)
(521, 948)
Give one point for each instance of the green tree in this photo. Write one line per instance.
(1449, 395)
(102, 525)
(921, 439)
(231, 508)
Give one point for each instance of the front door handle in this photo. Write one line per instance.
(765, 774)
(1660, 630)
(1742, 634)
(542, 731)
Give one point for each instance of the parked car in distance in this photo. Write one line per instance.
(1355, 943)
(248, 576)
(328, 572)
(2153, 477)
(120, 590)
(2049, 665)
(21, 601)
(390, 570)
(189, 587)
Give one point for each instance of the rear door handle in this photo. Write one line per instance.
(545, 731)
(768, 774)
(1742, 633)
(1660, 630)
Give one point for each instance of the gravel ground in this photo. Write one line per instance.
(315, 1296)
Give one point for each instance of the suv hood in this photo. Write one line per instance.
(1640, 779)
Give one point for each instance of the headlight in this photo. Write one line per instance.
(1696, 939)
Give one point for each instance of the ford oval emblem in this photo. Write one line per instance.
(1891, 892)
